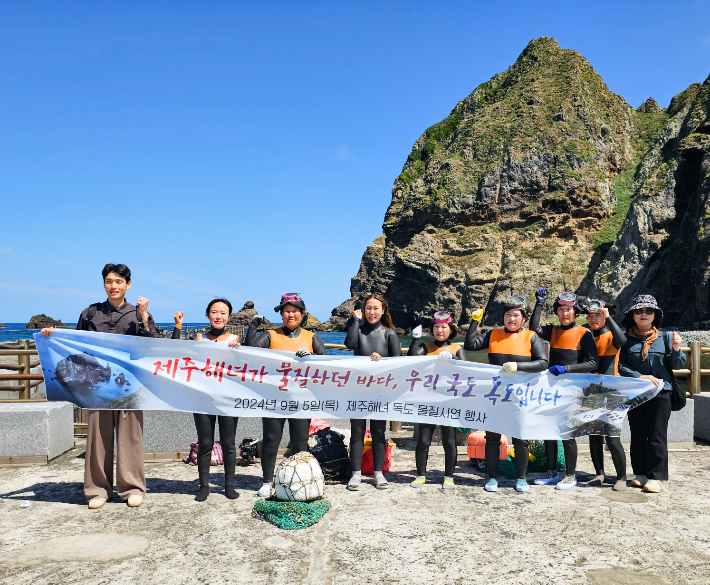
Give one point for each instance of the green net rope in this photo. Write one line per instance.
(291, 515)
(506, 467)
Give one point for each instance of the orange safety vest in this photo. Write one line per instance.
(433, 349)
(567, 338)
(605, 348)
(518, 343)
(280, 341)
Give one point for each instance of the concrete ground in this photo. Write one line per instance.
(585, 535)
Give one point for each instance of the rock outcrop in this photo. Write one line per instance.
(544, 177)
(663, 248)
(40, 321)
(525, 183)
(244, 316)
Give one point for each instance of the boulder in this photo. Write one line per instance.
(41, 321)
(244, 316)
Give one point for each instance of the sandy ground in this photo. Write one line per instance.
(400, 535)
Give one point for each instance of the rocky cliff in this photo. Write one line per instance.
(662, 248)
(526, 183)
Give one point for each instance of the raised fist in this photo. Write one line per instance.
(541, 295)
(142, 304)
(477, 315)
(178, 319)
(357, 314)
(417, 332)
(510, 367)
(257, 320)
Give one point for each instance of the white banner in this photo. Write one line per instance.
(104, 371)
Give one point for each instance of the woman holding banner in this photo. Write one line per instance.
(609, 339)
(516, 350)
(290, 337)
(444, 331)
(651, 354)
(572, 351)
(374, 338)
(218, 312)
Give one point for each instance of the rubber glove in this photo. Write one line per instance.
(303, 352)
(557, 370)
(510, 367)
(417, 332)
(256, 320)
(477, 315)
(445, 355)
(541, 295)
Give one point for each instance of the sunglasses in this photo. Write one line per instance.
(290, 296)
(442, 317)
(644, 311)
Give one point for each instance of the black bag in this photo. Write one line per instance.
(678, 398)
(330, 451)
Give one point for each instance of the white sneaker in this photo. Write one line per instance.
(134, 501)
(653, 486)
(568, 482)
(521, 485)
(264, 491)
(550, 477)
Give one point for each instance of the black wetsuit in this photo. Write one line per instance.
(273, 428)
(609, 339)
(426, 431)
(528, 352)
(205, 425)
(365, 339)
(579, 358)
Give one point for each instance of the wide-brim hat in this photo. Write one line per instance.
(643, 302)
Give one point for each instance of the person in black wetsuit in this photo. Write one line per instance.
(375, 338)
(572, 351)
(610, 339)
(290, 337)
(218, 312)
(516, 350)
(444, 330)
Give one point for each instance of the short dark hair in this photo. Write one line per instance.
(213, 301)
(121, 269)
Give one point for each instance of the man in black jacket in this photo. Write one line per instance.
(115, 315)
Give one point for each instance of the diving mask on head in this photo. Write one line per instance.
(595, 305)
(442, 317)
(567, 298)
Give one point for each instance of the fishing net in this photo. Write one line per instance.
(291, 515)
(537, 463)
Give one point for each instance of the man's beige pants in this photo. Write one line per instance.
(98, 469)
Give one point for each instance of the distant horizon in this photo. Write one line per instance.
(242, 150)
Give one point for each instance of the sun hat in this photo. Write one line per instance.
(643, 302)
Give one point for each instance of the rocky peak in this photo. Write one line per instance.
(649, 107)
(529, 182)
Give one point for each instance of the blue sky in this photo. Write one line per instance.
(247, 149)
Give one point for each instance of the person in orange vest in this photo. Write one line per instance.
(610, 339)
(572, 351)
(516, 350)
(444, 331)
(290, 337)
(374, 337)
